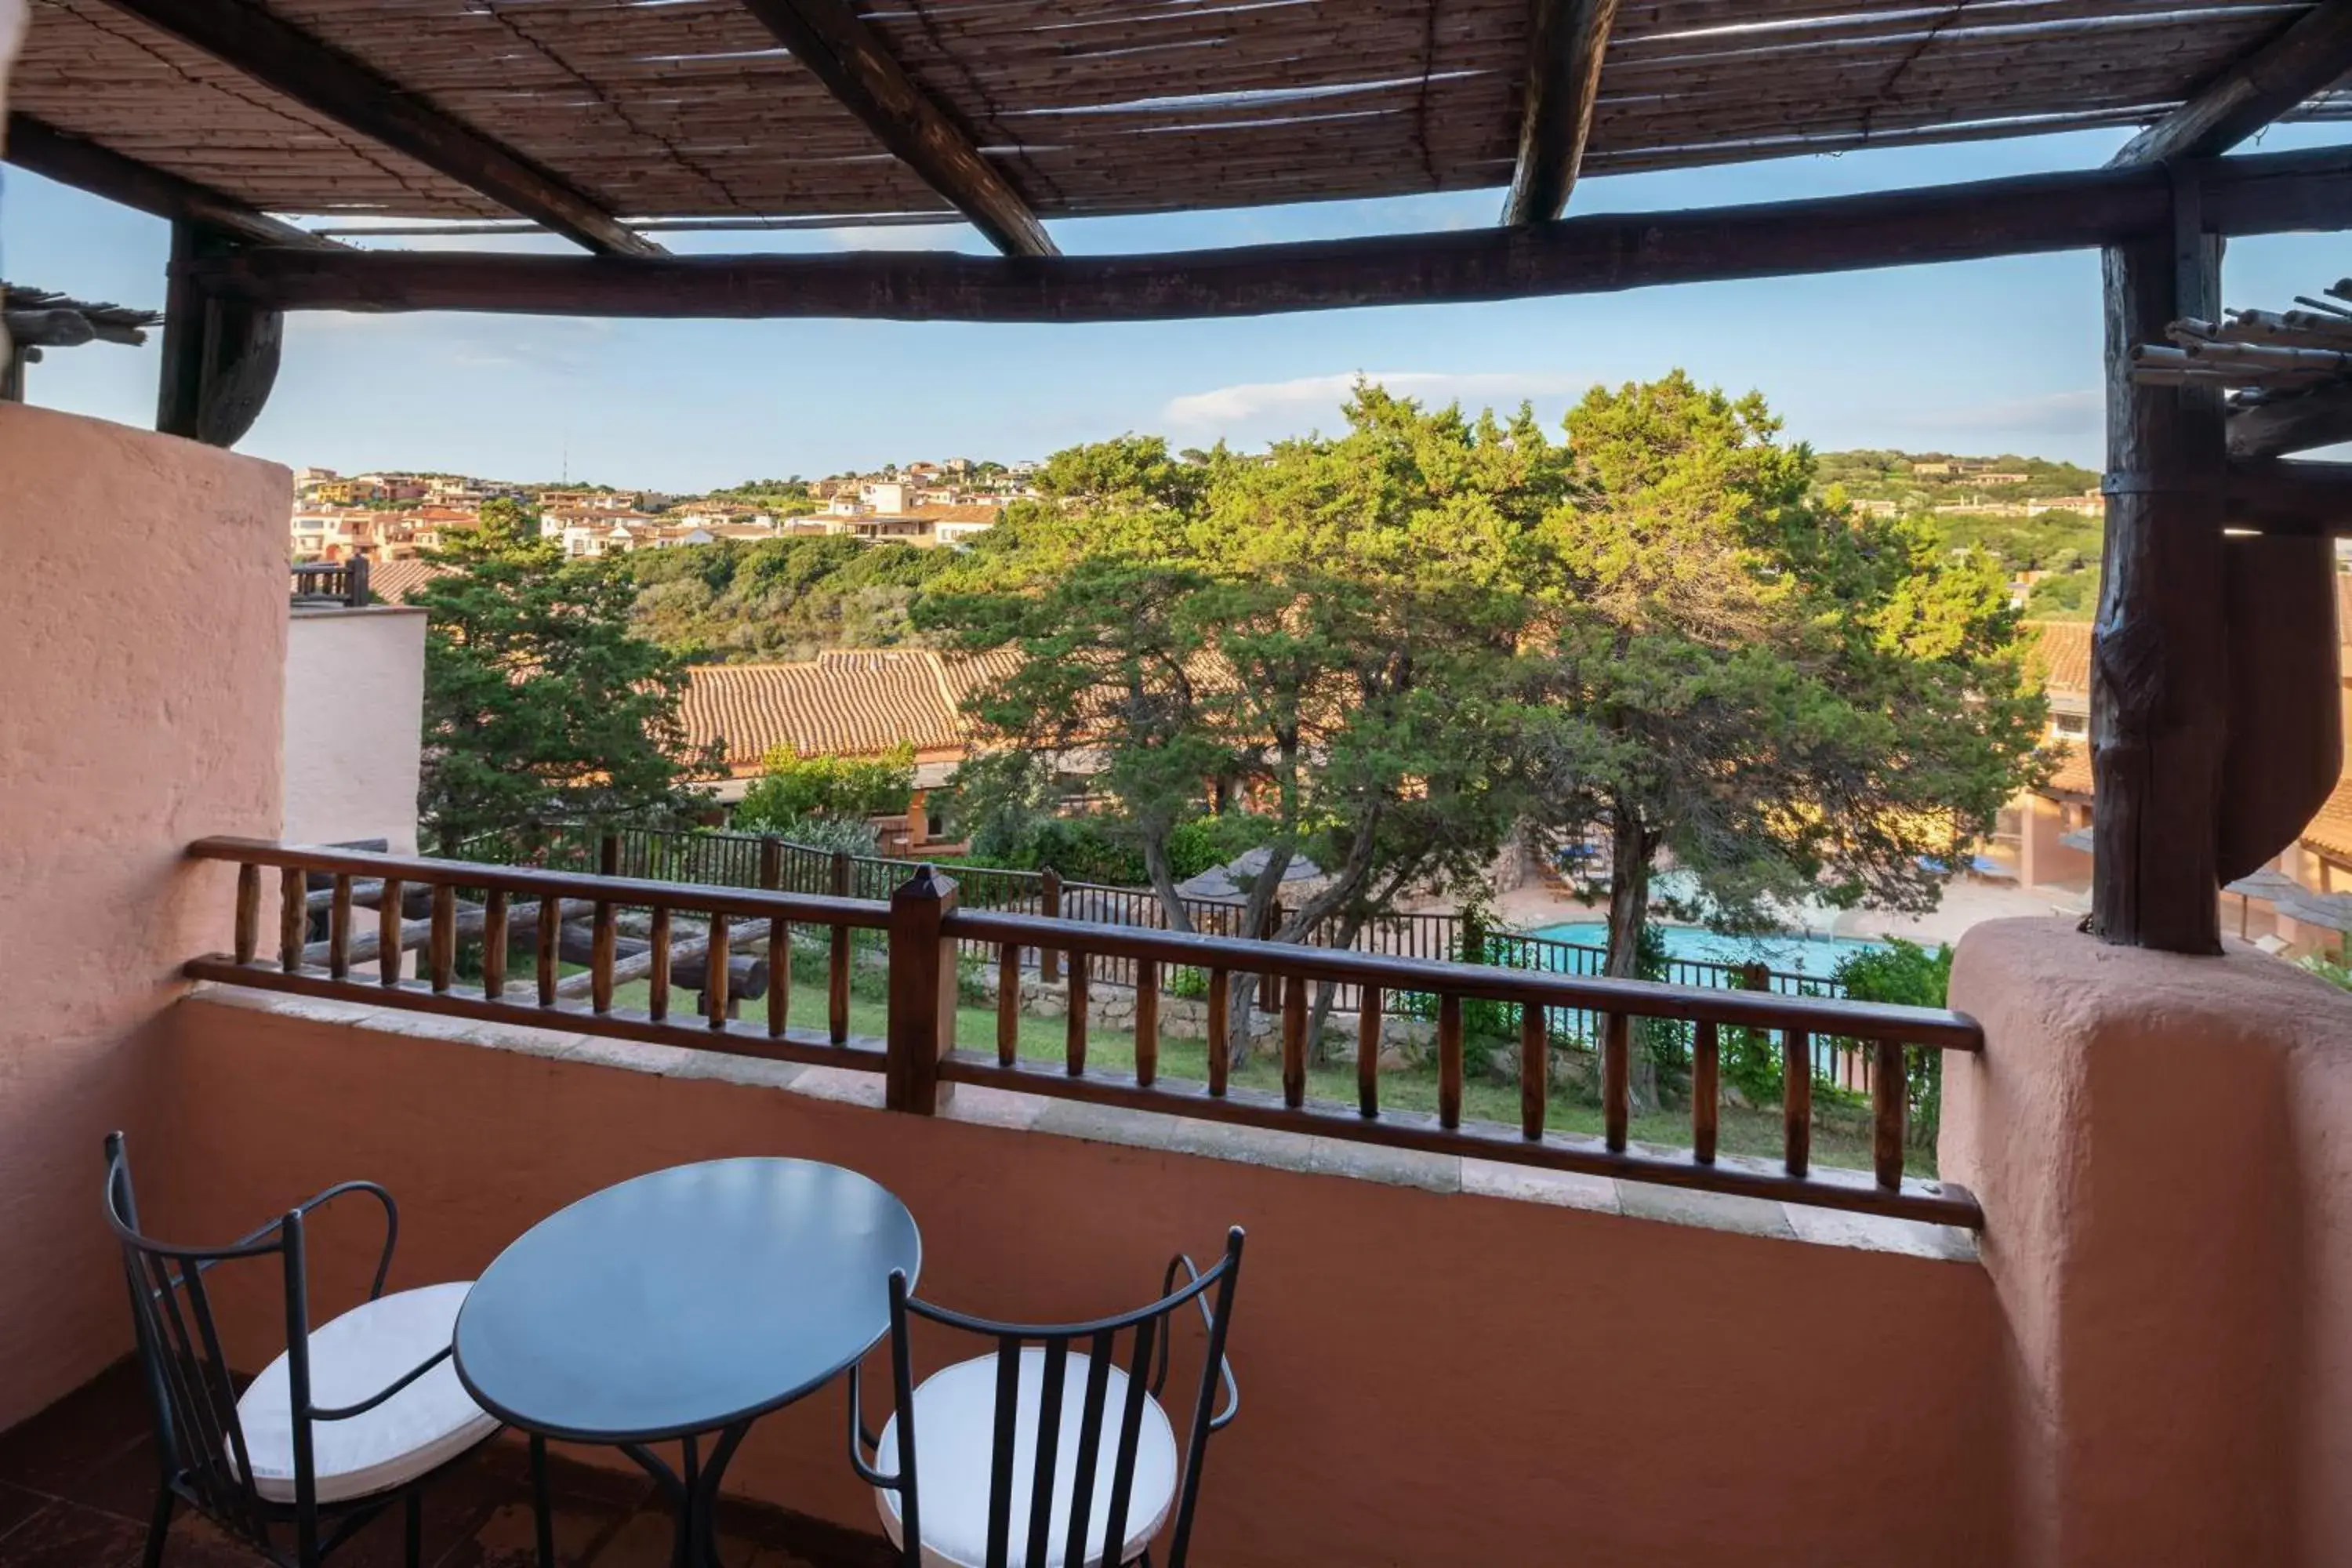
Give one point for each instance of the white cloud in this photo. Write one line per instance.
(1285, 405)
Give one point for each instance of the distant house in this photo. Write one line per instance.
(1990, 477)
(1935, 469)
(2090, 503)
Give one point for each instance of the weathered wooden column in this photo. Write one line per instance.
(220, 356)
(2160, 678)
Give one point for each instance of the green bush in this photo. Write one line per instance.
(791, 788)
(1904, 973)
(2327, 969)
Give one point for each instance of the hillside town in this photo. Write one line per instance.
(386, 517)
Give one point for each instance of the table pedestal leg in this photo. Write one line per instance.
(693, 1492)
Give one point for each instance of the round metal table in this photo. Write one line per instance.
(683, 1303)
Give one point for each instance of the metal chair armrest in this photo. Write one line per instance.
(320, 1200)
(861, 1438)
(345, 1412)
(1183, 1264)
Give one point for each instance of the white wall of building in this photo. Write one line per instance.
(354, 718)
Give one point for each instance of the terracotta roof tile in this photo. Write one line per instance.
(2330, 832)
(2073, 774)
(2060, 653)
(844, 703)
(393, 581)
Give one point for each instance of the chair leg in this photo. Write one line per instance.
(542, 1516)
(415, 1508)
(159, 1528)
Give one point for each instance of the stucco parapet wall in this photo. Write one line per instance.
(1337, 1157)
(343, 612)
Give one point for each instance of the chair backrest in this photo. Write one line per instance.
(1100, 1428)
(196, 1428)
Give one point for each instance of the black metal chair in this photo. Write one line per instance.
(356, 1415)
(979, 1480)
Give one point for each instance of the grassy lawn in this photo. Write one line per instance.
(1740, 1132)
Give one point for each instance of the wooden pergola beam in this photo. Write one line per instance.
(846, 54)
(2277, 496)
(287, 60)
(2257, 194)
(2317, 418)
(1566, 41)
(2312, 53)
(54, 154)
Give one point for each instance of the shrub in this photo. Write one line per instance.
(1907, 974)
(791, 788)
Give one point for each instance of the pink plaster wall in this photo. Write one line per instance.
(2160, 1146)
(143, 620)
(1428, 1379)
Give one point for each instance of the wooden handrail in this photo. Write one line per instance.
(926, 931)
(1638, 999)
(806, 909)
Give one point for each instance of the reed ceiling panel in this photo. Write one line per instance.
(687, 107)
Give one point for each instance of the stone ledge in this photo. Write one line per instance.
(986, 1105)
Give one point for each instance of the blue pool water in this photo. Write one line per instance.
(1808, 954)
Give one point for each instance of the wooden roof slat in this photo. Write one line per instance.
(842, 51)
(354, 93)
(70, 161)
(2312, 53)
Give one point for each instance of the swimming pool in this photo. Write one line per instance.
(1790, 954)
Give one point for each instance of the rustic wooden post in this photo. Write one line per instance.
(922, 1007)
(608, 854)
(2160, 659)
(771, 863)
(1049, 904)
(220, 356)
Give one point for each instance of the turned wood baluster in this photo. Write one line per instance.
(293, 919)
(249, 913)
(1146, 1021)
(1616, 1078)
(1449, 1062)
(1075, 1035)
(1888, 1102)
(1797, 1099)
(550, 948)
(1535, 1069)
(494, 943)
(780, 969)
(1008, 1004)
(604, 936)
(339, 930)
(1294, 1043)
(1706, 1092)
(1220, 1025)
(444, 937)
(837, 996)
(387, 931)
(1367, 1052)
(658, 977)
(715, 974)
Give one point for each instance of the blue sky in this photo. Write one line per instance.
(1980, 356)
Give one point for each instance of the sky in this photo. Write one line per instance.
(1977, 357)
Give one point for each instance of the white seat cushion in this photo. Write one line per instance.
(430, 1422)
(955, 1424)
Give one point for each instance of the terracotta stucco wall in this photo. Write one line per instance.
(1427, 1378)
(355, 702)
(2161, 1145)
(142, 618)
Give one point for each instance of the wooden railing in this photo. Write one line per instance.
(577, 918)
(328, 582)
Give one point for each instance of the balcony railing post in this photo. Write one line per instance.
(1049, 904)
(922, 1008)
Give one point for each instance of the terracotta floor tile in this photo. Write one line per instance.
(67, 1535)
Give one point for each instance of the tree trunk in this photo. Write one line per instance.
(1629, 907)
(1162, 875)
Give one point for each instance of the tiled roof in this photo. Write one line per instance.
(393, 581)
(2330, 832)
(844, 703)
(2073, 774)
(2060, 653)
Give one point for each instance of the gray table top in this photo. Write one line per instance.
(684, 1300)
